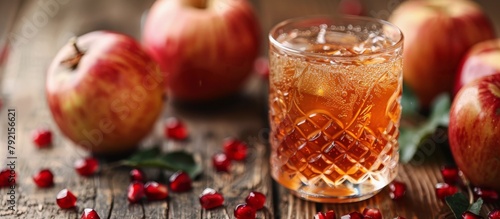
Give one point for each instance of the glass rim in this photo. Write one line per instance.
(286, 22)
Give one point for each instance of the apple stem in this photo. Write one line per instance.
(73, 61)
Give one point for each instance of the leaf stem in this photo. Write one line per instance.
(467, 185)
(113, 165)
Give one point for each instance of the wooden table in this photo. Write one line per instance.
(39, 32)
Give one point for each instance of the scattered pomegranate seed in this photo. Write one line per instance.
(42, 137)
(4, 53)
(398, 190)
(488, 195)
(155, 191)
(319, 215)
(180, 182)
(328, 215)
(235, 149)
(135, 192)
(65, 199)
(137, 175)
(90, 213)
(261, 67)
(373, 213)
(175, 129)
(86, 166)
(470, 215)
(256, 200)
(444, 189)
(494, 214)
(44, 178)
(353, 215)
(243, 211)
(450, 174)
(221, 162)
(210, 199)
(6, 179)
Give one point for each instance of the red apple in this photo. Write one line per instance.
(351, 7)
(474, 131)
(437, 35)
(104, 92)
(205, 47)
(481, 60)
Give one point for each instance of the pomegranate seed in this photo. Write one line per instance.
(399, 217)
(221, 162)
(44, 178)
(180, 182)
(373, 213)
(495, 214)
(261, 67)
(137, 175)
(89, 213)
(175, 129)
(328, 215)
(470, 215)
(210, 199)
(256, 200)
(450, 174)
(235, 149)
(243, 211)
(398, 190)
(135, 192)
(353, 215)
(155, 191)
(488, 195)
(86, 166)
(7, 177)
(319, 215)
(65, 199)
(42, 137)
(444, 189)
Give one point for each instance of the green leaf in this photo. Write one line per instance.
(144, 154)
(458, 204)
(409, 102)
(440, 115)
(183, 161)
(174, 161)
(410, 137)
(476, 206)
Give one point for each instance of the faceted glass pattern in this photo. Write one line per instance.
(334, 120)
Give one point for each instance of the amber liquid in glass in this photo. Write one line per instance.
(334, 124)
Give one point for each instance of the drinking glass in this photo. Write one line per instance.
(334, 106)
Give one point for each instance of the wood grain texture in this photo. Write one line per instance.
(242, 116)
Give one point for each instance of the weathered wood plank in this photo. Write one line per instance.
(239, 118)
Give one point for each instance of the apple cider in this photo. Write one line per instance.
(335, 90)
